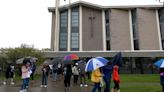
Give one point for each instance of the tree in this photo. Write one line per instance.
(12, 54)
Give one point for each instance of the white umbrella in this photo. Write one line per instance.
(32, 59)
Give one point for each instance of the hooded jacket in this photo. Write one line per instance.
(115, 74)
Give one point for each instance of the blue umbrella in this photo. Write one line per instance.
(95, 63)
(159, 63)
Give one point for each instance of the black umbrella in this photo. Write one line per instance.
(117, 59)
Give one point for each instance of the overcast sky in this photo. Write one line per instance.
(28, 21)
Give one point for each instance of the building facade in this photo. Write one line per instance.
(90, 30)
(88, 27)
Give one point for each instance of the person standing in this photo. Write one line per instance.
(96, 75)
(162, 78)
(29, 74)
(25, 74)
(116, 78)
(9, 74)
(55, 72)
(107, 71)
(75, 72)
(67, 76)
(45, 73)
(59, 71)
(82, 73)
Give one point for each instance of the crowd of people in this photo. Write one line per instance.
(68, 71)
(77, 71)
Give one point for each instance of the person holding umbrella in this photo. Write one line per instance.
(94, 65)
(67, 76)
(96, 75)
(107, 71)
(160, 65)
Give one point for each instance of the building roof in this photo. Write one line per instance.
(91, 5)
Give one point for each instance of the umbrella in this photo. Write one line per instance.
(68, 61)
(95, 63)
(56, 61)
(117, 59)
(32, 59)
(159, 63)
(71, 57)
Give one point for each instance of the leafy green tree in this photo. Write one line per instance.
(12, 54)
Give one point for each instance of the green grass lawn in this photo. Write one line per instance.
(140, 83)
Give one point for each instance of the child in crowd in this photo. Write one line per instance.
(116, 79)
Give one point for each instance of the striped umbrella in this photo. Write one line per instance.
(159, 63)
(95, 63)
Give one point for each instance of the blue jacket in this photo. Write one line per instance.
(162, 79)
(107, 71)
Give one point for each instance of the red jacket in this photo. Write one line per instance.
(115, 74)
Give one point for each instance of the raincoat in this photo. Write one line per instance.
(115, 74)
(96, 75)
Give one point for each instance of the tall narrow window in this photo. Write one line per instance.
(63, 34)
(75, 29)
(107, 29)
(135, 32)
(161, 22)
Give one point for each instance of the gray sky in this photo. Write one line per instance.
(28, 21)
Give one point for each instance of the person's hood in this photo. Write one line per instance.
(116, 67)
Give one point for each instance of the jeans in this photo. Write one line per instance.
(96, 86)
(54, 74)
(27, 81)
(107, 82)
(24, 84)
(44, 79)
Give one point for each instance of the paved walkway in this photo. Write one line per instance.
(52, 87)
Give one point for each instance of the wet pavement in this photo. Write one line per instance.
(52, 87)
